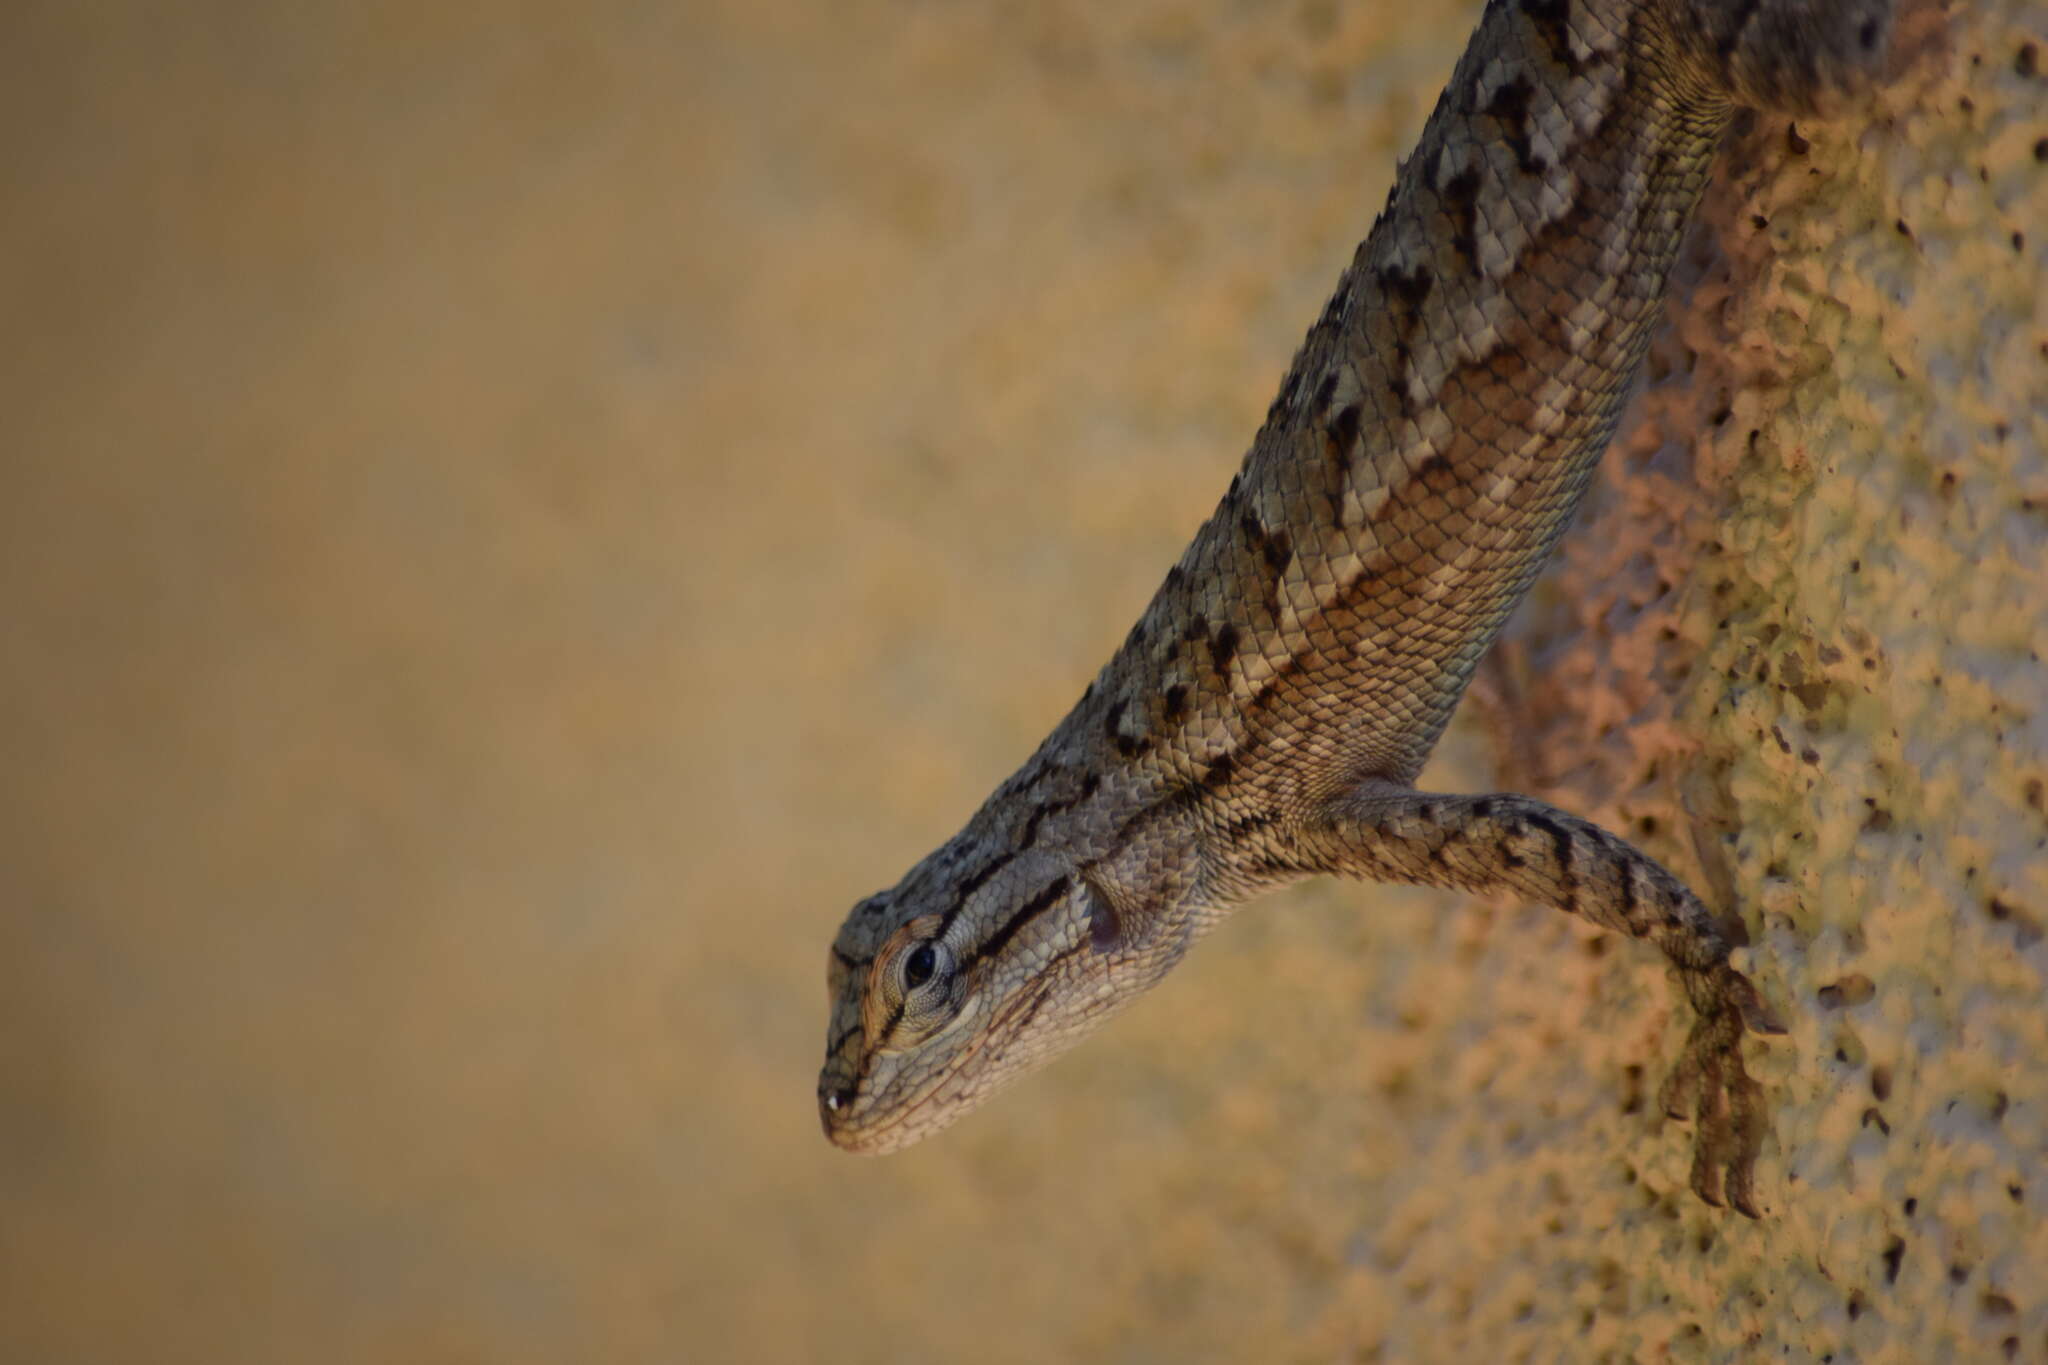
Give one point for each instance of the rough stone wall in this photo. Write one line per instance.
(1800, 647)
(516, 518)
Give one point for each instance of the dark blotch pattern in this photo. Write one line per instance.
(1341, 435)
(1510, 106)
(1567, 880)
(1223, 647)
(1130, 746)
(1552, 21)
(1460, 196)
(1407, 291)
(1326, 391)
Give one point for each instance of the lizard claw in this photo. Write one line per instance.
(1757, 1016)
(1709, 1084)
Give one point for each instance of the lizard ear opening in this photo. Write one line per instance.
(1105, 925)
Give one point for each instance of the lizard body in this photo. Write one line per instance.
(1266, 717)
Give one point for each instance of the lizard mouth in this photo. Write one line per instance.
(852, 1125)
(874, 1119)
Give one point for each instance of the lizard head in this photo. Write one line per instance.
(978, 967)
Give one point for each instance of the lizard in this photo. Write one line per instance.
(1265, 719)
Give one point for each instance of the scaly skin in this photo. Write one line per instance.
(1266, 717)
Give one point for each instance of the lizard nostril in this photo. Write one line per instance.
(835, 1099)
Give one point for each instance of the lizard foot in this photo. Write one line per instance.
(1710, 1085)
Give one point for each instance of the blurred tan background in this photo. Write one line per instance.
(517, 516)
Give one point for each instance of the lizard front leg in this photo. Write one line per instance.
(1522, 846)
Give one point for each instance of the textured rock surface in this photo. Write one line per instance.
(514, 521)
(1804, 639)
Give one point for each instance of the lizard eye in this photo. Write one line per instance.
(915, 987)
